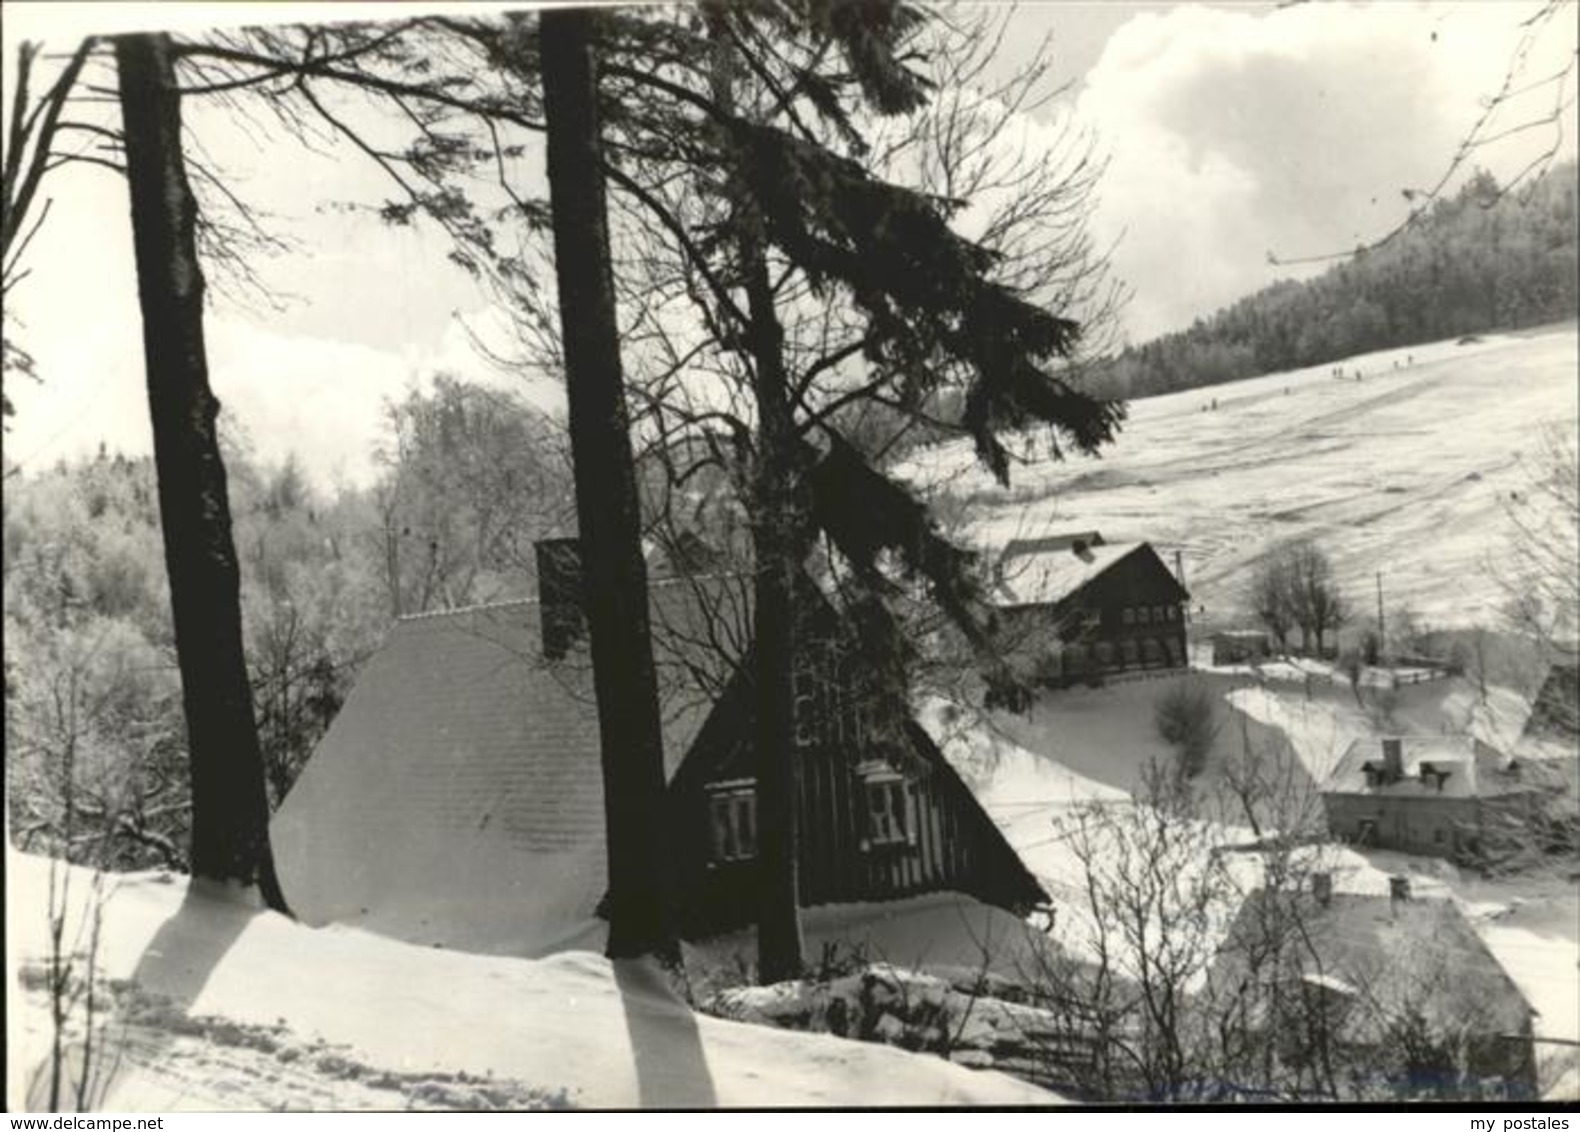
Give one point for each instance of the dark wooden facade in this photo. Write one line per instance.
(881, 816)
(1129, 616)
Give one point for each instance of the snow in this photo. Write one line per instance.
(1407, 472)
(943, 933)
(238, 1008)
(1090, 746)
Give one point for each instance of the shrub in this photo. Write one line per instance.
(1186, 717)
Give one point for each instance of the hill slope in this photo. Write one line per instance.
(1408, 471)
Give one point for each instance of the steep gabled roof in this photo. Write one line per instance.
(461, 783)
(457, 799)
(1050, 575)
(1467, 768)
(1396, 955)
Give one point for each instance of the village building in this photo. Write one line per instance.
(457, 799)
(1394, 988)
(1077, 607)
(1240, 646)
(1449, 796)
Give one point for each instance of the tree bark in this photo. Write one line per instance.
(230, 817)
(615, 576)
(777, 556)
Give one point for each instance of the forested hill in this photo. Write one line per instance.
(1467, 267)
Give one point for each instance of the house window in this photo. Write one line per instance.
(1157, 614)
(1128, 615)
(1146, 614)
(1152, 652)
(803, 686)
(732, 808)
(888, 810)
(1131, 653)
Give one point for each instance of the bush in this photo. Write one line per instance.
(1186, 717)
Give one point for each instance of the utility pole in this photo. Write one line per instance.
(1382, 627)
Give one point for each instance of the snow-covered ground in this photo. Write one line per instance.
(229, 1007)
(1087, 746)
(1407, 472)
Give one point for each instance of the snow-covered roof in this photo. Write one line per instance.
(1418, 953)
(458, 796)
(1047, 577)
(1467, 767)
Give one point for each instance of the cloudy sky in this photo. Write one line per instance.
(1232, 131)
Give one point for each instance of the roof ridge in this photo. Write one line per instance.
(455, 611)
(664, 581)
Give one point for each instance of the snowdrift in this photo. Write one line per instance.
(232, 1007)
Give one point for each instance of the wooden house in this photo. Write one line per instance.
(1396, 993)
(1447, 796)
(458, 800)
(1077, 606)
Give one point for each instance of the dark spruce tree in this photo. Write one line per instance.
(932, 316)
(230, 832)
(607, 504)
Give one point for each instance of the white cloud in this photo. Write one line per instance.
(1234, 134)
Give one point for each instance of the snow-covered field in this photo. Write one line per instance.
(1408, 472)
(228, 1007)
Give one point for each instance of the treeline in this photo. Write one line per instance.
(96, 759)
(1478, 261)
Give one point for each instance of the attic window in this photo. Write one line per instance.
(732, 810)
(889, 819)
(1128, 615)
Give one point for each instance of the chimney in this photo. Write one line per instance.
(1081, 550)
(1398, 889)
(1179, 567)
(560, 595)
(1393, 759)
(1322, 888)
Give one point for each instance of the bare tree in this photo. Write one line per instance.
(1293, 587)
(1318, 604)
(29, 153)
(1524, 102)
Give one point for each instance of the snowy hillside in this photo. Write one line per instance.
(1407, 471)
(227, 1007)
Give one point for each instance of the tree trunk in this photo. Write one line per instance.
(640, 913)
(230, 816)
(777, 556)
